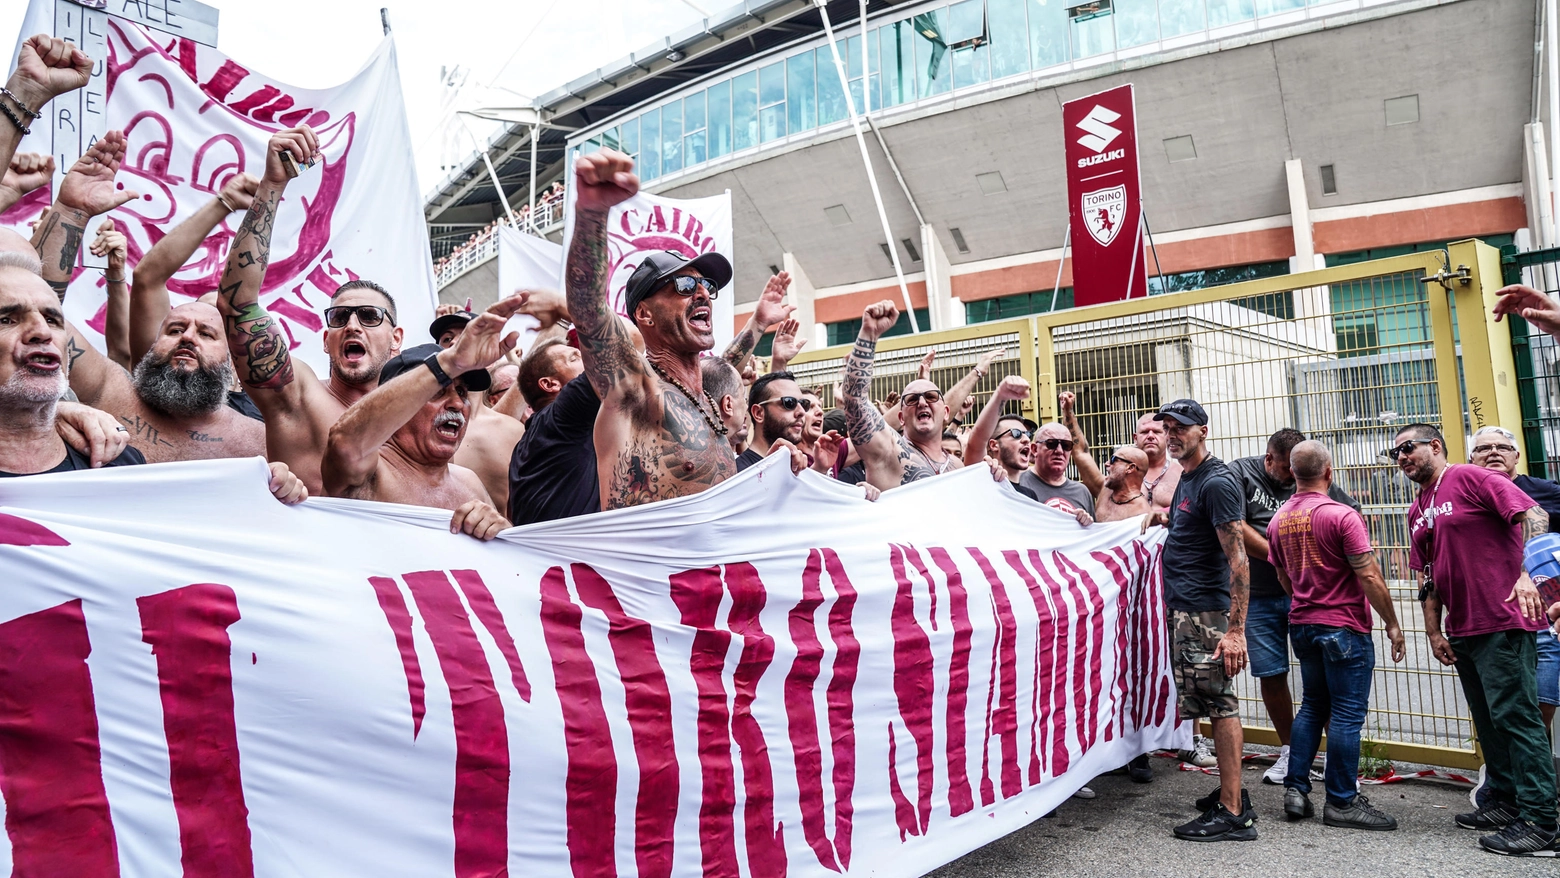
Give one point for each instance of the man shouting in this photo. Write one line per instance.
(659, 435)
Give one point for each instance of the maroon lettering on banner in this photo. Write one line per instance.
(400, 620)
(960, 798)
(590, 810)
(187, 629)
(913, 685)
(1060, 758)
(649, 704)
(697, 594)
(481, 809)
(842, 705)
(765, 840)
(1091, 625)
(51, 771)
(16, 531)
(1003, 721)
(481, 600)
(1045, 664)
(1115, 561)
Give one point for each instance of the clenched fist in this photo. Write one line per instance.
(878, 318)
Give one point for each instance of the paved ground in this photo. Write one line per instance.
(1126, 832)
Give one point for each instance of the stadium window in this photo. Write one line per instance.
(693, 129)
(931, 52)
(1273, 7)
(845, 331)
(897, 46)
(1020, 305)
(1215, 277)
(650, 145)
(1137, 22)
(875, 66)
(1223, 12)
(771, 102)
(1009, 48)
(671, 138)
(801, 92)
(630, 138)
(1180, 17)
(1093, 28)
(609, 139)
(850, 53)
(831, 97)
(1048, 34)
(968, 41)
(1400, 249)
(744, 110)
(719, 137)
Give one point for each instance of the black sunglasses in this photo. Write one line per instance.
(1115, 459)
(1406, 448)
(685, 285)
(1015, 432)
(789, 403)
(913, 399)
(367, 315)
(1054, 443)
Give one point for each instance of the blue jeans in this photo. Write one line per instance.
(1335, 674)
(1548, 667)
(1267, 636)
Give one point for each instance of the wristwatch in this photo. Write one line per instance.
(432, 362)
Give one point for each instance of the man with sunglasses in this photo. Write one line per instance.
(659, 434)
(398, 443)
(1047, 474)
(361, 334)
(1004, 438)
(778, 411)
(1467, 531)
(1207, 582)
(1160, 473)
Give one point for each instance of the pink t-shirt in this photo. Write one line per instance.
(1311, 538)
(1464, 529)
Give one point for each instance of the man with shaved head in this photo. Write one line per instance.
(1320, 550)
(1161, 472)
(1122, 496)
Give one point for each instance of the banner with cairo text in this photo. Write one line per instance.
(774, 677)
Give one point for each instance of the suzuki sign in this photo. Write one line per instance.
(1104, 197)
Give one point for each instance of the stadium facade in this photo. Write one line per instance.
(1275, 136)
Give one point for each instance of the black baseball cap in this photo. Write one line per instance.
(834, 419)
(1029, 425)
(412, 358)
(444, 324)
(1186, 411)
(659, 265)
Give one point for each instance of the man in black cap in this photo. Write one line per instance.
(490, 437)
(1207, 582)
(396, 444)
(659, 434)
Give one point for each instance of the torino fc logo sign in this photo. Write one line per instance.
(1103, 211)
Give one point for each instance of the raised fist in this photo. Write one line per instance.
(878, 318)
(239, 191)
(28, 171)
(1013, 387)
(89, 185)
(47, 67)
(300, 141)
(1064, 402)
(603, 179)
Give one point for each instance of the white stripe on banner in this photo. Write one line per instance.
(773, 677)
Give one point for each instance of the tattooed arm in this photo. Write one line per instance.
(1088, 470)
(614, 366)
(87, 190)
(46, 67)
(149, 285)
(1233, 646)
(770, 311)
(1534, 521)
(256, 341)
(870, 436)
(1368, 572)
(92, 375)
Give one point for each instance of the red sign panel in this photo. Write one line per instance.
(1103, 196)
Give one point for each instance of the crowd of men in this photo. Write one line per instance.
(1264, 555)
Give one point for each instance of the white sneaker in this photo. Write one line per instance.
(1201, 754)
(1279, 769)
(1084, 793)
(1319, 775)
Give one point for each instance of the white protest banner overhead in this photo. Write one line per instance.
(773, 677)
(194, 118)
(645, 223)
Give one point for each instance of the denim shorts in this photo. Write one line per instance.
(1548, 667)
(1267, 636)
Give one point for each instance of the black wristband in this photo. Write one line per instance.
(432, 362)
(15, 120)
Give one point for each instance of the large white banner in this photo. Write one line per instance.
(645, 223)
(773, 677)
(195, 117)
(526, 262)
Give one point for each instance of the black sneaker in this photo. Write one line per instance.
(1521, 839)
(1359, 814)
(1139, 771)
(1218, 824)
(1495, 815)
(1212, 799)
(1297, 805)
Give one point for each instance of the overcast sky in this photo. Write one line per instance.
(321, 43)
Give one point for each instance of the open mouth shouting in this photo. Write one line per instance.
(42, 363)
(449, 425)
(353, 351)
(184, 355)
(700, 317)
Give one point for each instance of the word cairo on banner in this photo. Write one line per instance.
(774, 677)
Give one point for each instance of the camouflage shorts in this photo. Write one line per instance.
(1201, 684)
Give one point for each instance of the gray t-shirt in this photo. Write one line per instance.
(1072, 494)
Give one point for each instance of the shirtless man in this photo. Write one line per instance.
(659, 435)
(1122, 495)
(361, 334)
(1163, 472)
(490, 437)
(396, 444)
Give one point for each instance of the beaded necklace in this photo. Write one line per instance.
(715, 425)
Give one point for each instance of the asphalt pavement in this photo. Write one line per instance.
(1125, 831)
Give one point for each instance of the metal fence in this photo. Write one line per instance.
(1348, 355)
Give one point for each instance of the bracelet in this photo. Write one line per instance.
(15, 120)
(18, 101)
(113, 280)
(230, 208)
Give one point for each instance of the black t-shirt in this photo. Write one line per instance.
(748, 458)
(1197, 575)
(1546, 494)
(854, 474)
(552, 473)
(240, 402)
(1264, 495)
(75, 460)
